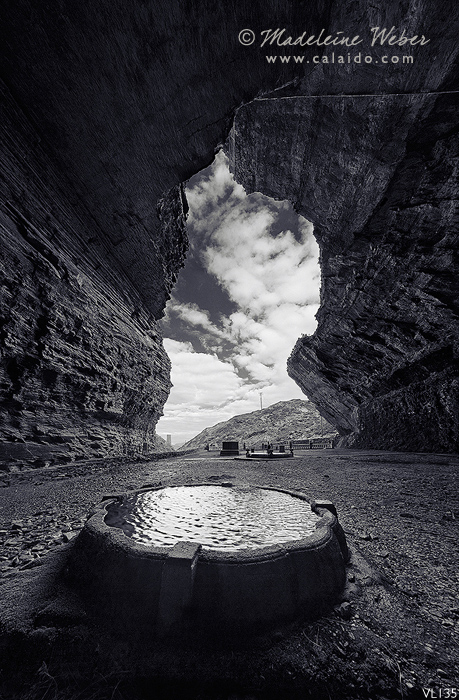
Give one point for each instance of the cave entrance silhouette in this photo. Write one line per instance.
(250, 287)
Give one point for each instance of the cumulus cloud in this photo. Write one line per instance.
(195, 317)
(265, 258)
(200, 380)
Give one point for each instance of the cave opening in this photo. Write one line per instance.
(250, 287)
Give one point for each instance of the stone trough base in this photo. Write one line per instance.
(268, 455)
(184, 589)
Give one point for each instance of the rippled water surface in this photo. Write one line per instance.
(222, 518)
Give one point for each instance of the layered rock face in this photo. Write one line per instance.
(383, 364)
(108, 107)
(83, 371)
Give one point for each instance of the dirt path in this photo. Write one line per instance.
(400, 511)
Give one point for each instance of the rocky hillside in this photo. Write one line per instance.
(293, 419)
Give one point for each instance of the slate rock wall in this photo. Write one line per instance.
(383, 365)
(83, 372)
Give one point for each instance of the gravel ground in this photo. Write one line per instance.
(399, 511)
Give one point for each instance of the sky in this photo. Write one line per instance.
(250, 288)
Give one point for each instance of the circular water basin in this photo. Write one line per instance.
(218, 518)
(208, 559)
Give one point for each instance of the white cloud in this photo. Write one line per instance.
(199, 379)
(193, 316)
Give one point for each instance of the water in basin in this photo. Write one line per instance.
(219, 518)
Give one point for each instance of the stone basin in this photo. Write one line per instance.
(171, 577)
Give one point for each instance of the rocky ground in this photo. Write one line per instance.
(395, 636)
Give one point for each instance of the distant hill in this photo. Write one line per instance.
(285, 420)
